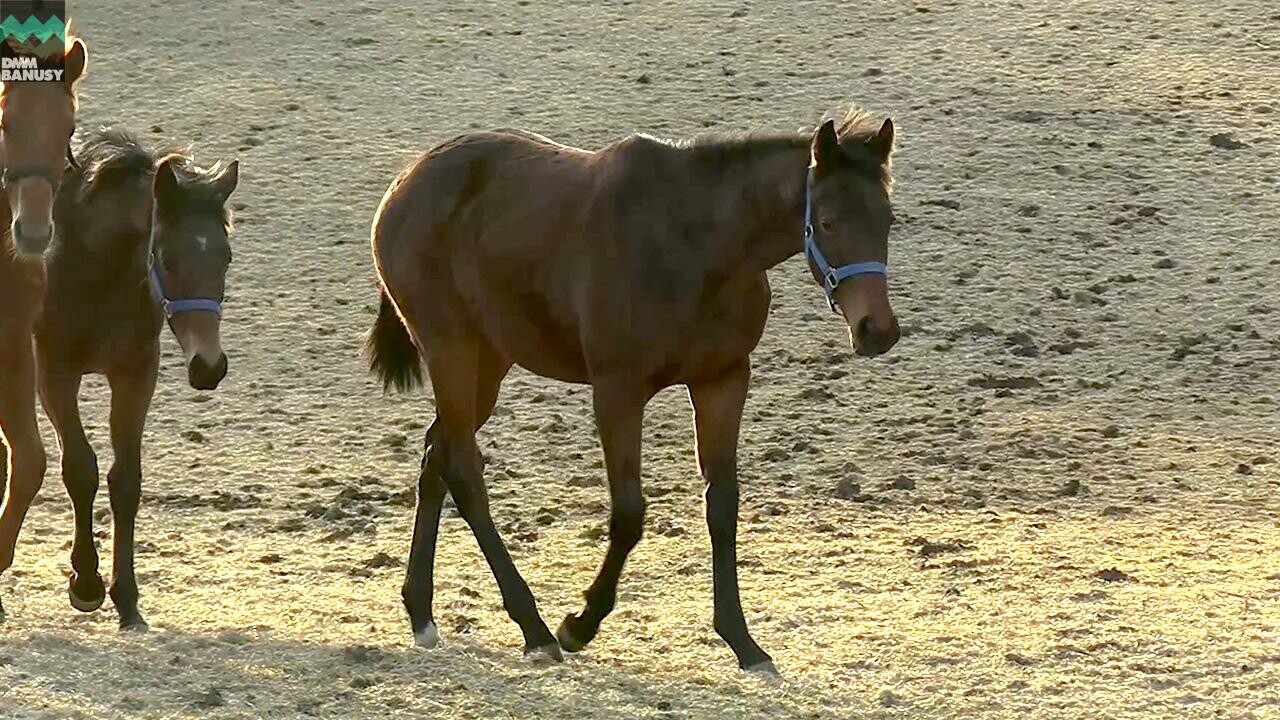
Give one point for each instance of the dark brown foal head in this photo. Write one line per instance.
(191, 251)
(37, 120)
(850, 216)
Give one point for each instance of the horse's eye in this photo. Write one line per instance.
(827, 225)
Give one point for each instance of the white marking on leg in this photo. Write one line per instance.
(427, 637)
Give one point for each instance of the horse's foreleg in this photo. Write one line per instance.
(130, 399)
(26, 456)
(619, 411)
(717, 409)
(59, 393)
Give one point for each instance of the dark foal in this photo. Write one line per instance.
(139, 240)
(634, 268)
(36, 123)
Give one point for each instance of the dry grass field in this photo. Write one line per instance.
(1058, 497)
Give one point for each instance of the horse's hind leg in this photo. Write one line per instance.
(717, 407)
(130, 399)
(454, 365)
(619, 410)
(59, 392)
(419, 583)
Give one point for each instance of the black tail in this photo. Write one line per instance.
(392, 354)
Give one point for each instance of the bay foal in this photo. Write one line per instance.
(36, 123)
(140, 239)
(634, 268)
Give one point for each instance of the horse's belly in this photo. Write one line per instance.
(528, 334)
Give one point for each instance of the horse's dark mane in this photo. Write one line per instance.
(854, 127)
(719, 150)
(109, 156)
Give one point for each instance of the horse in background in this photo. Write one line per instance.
(141, 239)
(37, 120)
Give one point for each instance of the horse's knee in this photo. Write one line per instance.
(125, 486)
(722, 510)
(79, 468)
(626, 522)
(27, 466)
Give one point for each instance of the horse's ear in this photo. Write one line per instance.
(881, 144)
(226, 181)
(165, 186)
(826, 146)
(75, 62)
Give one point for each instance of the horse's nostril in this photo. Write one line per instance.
(864, 328)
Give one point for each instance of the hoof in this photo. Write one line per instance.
(89, 602)
(428, 637)
(566, 639)
(544, 654)
(765, 670)
(138, 626)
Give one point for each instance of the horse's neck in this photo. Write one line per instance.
(765, 204)
(104, 265)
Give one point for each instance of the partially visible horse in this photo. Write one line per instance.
(634, 268)
(37, 120)
(141, 239)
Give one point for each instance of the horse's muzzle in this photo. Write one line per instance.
(869, 340)
(204, 375)
(30, 241)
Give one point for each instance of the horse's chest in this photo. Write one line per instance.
(727, 328)
(21, 289)
(99, 337)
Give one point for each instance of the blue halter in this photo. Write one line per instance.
(831, 276)
(175, 307)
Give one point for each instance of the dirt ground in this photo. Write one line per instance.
(1058, 497)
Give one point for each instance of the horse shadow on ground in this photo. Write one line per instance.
(231, 673)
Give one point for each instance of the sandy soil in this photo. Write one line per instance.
(1057, 498)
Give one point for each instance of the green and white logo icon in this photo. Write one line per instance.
(35, 40)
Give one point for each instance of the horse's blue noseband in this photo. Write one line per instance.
(831, 276)
(175, 307)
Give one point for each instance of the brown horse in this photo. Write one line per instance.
(634, 268)
(140, 239)
(36, 123)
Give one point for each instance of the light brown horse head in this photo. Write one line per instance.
(190, 230)
(37, 120)
(851, 217)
